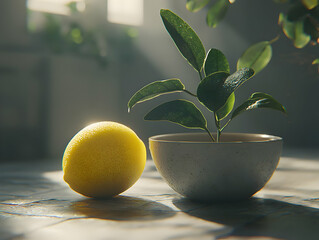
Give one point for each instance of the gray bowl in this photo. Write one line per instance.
(234, 169)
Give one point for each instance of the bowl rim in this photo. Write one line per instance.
(264, 138)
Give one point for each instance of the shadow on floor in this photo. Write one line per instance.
(259, 217)
(32, 197)
(122, 208)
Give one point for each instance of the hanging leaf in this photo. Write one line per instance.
(281, 18)
(294, 31)
(185, 39)
(227, 108)
(182, 112)
(259, 100)
(215, 62)
(301, 38)
(156, 89)
(256, 56)
(316, 61)
(217, 12)
(196, 5)
(310, 4)
(287, 26)
(214, 90)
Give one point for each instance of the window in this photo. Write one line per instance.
(55, 6)
(129, 12)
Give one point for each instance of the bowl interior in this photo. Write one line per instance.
(225, 137)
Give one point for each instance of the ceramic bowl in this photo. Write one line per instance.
(234, 169)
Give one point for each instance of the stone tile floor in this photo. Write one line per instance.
(35, 203)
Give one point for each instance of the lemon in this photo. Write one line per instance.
(103, 160)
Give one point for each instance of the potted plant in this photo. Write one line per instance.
(207, 166)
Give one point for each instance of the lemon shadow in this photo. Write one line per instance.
(258, 218)
(122, 208)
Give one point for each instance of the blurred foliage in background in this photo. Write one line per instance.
(299, 22)
(67, 34)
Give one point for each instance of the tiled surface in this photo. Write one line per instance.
(35, 203)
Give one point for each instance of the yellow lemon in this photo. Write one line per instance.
(103, 160)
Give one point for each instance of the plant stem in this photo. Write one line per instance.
(225, 125)
(218, 135)
(200, 76)
(192, 94)
(275, 39)
(219, 131)
(210, 135)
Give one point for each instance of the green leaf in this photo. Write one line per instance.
(227, 108)
(256, 56)
(217, 12)
(294, 31)
(210, 89)
(214, 90)
(259, 100)
(281, 18)
(182, 112)
(287, 26)
(186, 40)
(196, 5)
(316, 61)
(215, 62)
(301, 38)
(156, 89)
(310, 4)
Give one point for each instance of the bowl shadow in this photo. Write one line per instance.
(258, 217)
